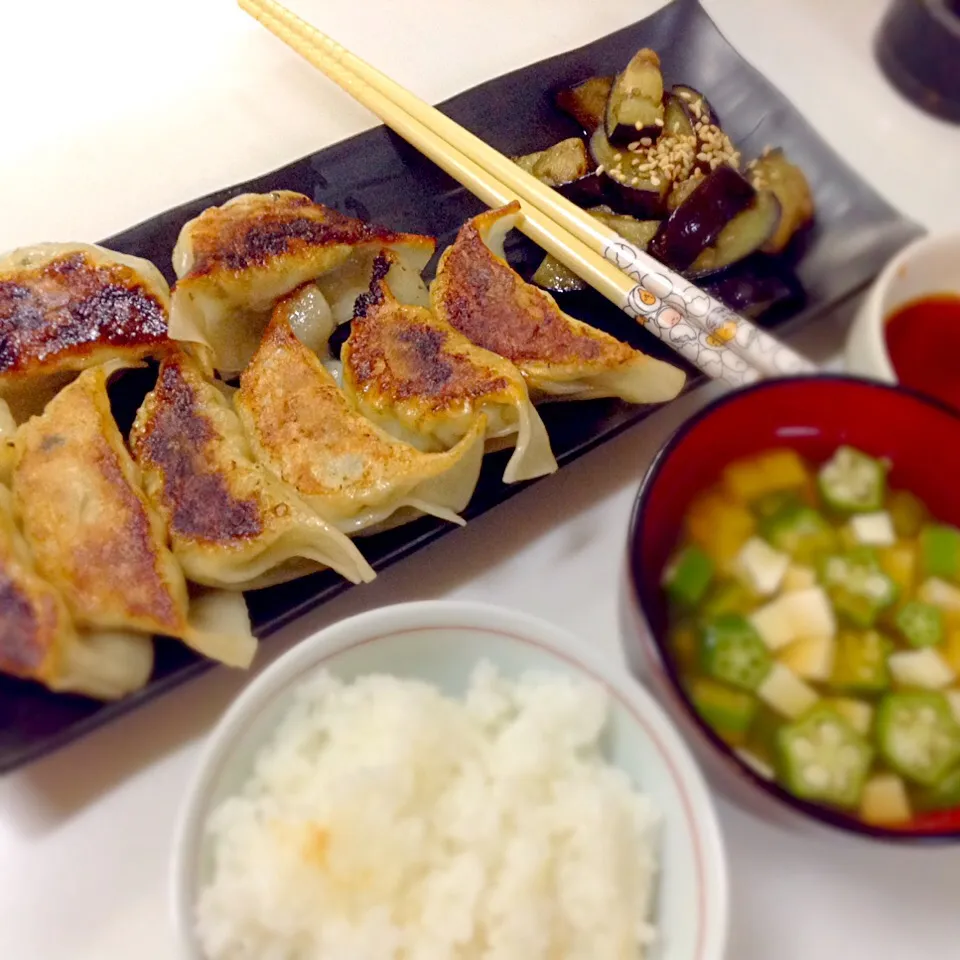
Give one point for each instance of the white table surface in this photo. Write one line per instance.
(115, 110)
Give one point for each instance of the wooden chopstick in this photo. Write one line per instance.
(572, 252)
(699, 327)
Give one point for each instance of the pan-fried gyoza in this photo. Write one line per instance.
(478, 293)
(232, 522)
(234, 262)
(350, 471)
(425, 383)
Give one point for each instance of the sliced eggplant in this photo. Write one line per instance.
(697, 106)
(568, 168)
(746, 233)
(774, 172)
(554, 276)
(586, 102)
(754, 287)
(682, 190)
(677, 117)
(697, 222)
(635, 104)
(628, 188)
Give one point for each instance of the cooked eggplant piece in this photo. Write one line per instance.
(755, 286)
(554, 276)
(568, 168)
(682, 190)
(697, 222)
(746, 233)
(586, 102)
(696, 105)
(635, 103)
(677, 117)
(629, 188)
(774, 172)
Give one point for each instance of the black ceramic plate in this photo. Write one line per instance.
(375, 175)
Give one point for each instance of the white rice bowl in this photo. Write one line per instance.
(374, 795)
(385, 820)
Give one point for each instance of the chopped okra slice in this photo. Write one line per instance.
(860, 662)
(823, 759)
(727, 711)
(731, 651)
(918, 736)
(688, 575)
(729, 596)
(857, 585)
(940, 551)
(852, 481)
(920, 624)
(800, 531)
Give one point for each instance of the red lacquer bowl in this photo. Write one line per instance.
(813, 415)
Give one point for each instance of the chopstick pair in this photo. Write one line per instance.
(720, 343)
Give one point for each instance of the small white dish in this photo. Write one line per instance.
(440, 642)
(926, 267)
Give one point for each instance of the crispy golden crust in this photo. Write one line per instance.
(257, 230)
(64, 312)
(304, 424)
(403, 353)
(33, 621)
(480, 295)
(177, 446)
(86, 521)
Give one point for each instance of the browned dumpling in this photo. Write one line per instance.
(92, 531)
(477, 292)
(234, 262)
(38, 640)
(424, 382)
(351, 472)
(68, 306)
(232, 522)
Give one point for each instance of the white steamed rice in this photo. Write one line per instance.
(385, 821)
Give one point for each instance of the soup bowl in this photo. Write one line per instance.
(812, 415)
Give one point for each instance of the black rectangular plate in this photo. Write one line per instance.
(377, 176)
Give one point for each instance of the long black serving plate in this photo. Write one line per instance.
(377, 176)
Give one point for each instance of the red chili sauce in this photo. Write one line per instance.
(923, 340)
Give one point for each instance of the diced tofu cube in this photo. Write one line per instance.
(858, 713)
(941, 594)
(784, 692)
(760, 567)
(953, 698)
(921, 668)
(884, 800)
(769, 472)
(873, 529)
(798, 577)
(810, 658)
(795, 616)
(760, 767)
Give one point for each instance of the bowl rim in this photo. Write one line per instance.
(383, 624)
(824, 815)
(871, 315)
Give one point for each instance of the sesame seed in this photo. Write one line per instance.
(655, 180)
(646, 141)
(635, 181)
(618, 157)
(658, 122)
(686, 94)
(703, 155)
(599, 169)
(638, 125)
